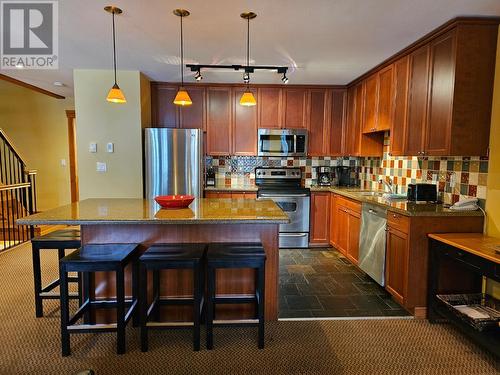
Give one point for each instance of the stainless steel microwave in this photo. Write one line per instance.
(282, 142)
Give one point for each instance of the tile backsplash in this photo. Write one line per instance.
(457, 177)
(239, 171)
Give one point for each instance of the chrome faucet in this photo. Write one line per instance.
(387, 185)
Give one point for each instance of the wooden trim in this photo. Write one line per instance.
(31, 87)
(11, 145)
(256, 85)
(73, 171)
(426, 39)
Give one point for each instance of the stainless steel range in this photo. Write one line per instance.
(283, 186)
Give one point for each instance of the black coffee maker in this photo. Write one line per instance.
(324, 175)
(343, 175)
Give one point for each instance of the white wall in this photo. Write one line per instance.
(102, 122)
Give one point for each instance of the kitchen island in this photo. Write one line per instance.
(204, 221)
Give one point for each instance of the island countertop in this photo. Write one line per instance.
(143, 211)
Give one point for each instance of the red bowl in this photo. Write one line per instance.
(174, 201)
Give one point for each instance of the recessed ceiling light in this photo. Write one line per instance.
(59, 84)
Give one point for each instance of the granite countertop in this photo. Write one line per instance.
(402, 207)
(142, 211)
(231, 188)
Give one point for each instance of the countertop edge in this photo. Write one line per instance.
(235, 189)
(151, 222)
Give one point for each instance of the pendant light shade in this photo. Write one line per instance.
(182, 98)
(247, 99)
(115, 95)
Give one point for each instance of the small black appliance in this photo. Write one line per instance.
(422, 193)
(210, 177)
(344, 175)
(324, 176)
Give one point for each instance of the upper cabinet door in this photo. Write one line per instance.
(193, 116)
(370, 104)
(165, 114)
(244, 125)
(354, 119)
(398, 123)
(270, 107)
(417, 101)
(385, 98)
(317, 122)
(442, 67)
(295, 108)
(219, 121)
(337, 122)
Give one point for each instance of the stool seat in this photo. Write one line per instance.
(101, 255)
(174, 252)
(70, 238)
(237, 251)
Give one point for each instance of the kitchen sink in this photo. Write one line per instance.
(371, 193)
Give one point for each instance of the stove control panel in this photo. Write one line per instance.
(278, 173)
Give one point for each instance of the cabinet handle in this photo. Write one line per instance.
(394, 216)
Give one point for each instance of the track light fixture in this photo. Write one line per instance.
(246, 78)
(198, 77)
(285, 78)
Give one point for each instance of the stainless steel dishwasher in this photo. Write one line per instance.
(372, 238)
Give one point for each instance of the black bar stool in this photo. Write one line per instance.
(167, 257)
(95, 258)
(236, 255)
(59, 240)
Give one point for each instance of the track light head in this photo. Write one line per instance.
(198, 77)
(285, 78)
(246, 77)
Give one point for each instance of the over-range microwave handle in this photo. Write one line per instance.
(292, 234)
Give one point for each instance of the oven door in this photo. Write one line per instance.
(296, 207)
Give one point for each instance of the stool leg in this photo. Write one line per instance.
(197, 290)
(120, 311)
(135, 294)
(64, 300)
(37, 279)
(156, 295)
(261, 289)
(143, 304)
(210, 307)
(61, 253)
(88, 316)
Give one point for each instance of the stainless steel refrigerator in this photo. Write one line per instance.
(173, 160)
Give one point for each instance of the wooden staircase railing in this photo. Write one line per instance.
(17, 195)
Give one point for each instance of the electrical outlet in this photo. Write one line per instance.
(110, 147)
(93, 147)
(453, 179)
(101, 167)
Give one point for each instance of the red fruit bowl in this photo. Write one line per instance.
(174, 201)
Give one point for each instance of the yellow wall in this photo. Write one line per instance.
(493, 191)
(102, 122)
(37, 125)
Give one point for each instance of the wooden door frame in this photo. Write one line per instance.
(73, 171)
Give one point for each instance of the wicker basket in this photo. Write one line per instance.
(479, 303)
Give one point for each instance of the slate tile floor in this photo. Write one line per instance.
(323, 283)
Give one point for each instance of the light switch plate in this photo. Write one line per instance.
(93, 147)
(110, 147)
(63, 162)
(101, 167)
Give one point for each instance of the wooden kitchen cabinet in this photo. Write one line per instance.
(270, 107)
(165, 114)
(218, 194)
(193, 116)
(370, 96)
(333, 220)
(219, 120)
(400, 105)
(385, 98)
(347, 224)
(397, 252)
(295, 108)
(244, 125)
(320, 219)
(244, 195)
(317, 122)
(337, 122)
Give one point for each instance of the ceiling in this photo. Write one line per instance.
(322, 41)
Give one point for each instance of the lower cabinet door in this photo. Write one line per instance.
(320, 218)
(354, 226)
(342, 228)
(333, 220)
(396, 263)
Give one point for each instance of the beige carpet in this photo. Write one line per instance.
(31, 346)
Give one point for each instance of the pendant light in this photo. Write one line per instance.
(182, 98)
(115, 95)
(247, 99)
